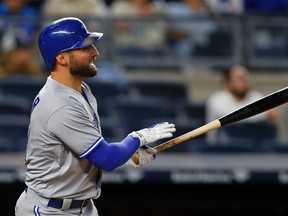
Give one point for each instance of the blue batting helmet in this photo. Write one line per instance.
(62, 35)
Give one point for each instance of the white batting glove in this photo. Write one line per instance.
(146, 154)
(155, 132)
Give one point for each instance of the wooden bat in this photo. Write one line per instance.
(268, 102)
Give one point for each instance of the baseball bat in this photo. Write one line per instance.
(265, 103)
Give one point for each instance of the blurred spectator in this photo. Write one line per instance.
(18, 18)
(83, 8)
(227, 7)
(236, 93)
(91, 10)
(20, 60)
(138, 36)
(191, 25)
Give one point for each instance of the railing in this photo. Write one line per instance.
(256, 41)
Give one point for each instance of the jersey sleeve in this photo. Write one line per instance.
(74, 128)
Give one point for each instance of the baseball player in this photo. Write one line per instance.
(66, 151)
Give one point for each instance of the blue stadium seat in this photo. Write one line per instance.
(11, 104)
(6, 145)
(157, 88)
(193, 111)
(132, 112)
(22, 86)
(21, 144)
(233, 145)
(109, 129)
(103, 90)
(14, 126)
(256, 132)
(275, 145)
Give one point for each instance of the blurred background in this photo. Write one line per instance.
(163, 60)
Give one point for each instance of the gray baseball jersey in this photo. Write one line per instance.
(62, 126)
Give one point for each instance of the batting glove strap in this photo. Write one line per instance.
(154, 133)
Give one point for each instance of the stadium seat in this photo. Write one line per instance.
(21, 144)
(275, 145)
(132, 112)
(200, 145)
(103, 90)
(110, 129)
(256, 132)
(168, 89)
(6, 145)
(233, 145)
(11, 104)
(14, 126)
(22, 86)
(194, 111)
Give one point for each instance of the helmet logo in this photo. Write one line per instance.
(63, 32)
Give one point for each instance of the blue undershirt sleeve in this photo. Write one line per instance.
(109, 156)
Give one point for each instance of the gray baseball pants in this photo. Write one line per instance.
(31, 204)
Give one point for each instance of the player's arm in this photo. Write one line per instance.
(76, 130)
(109, 156)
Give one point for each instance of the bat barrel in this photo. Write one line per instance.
(268, 102)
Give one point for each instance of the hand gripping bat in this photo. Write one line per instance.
(267, 102)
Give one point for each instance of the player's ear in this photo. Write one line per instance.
(61, 58)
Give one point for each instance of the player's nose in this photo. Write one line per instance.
(94, 51)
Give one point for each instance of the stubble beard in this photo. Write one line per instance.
(82, 69)
(239, 95)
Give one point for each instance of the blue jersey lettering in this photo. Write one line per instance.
(35, 102)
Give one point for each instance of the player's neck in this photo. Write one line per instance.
(71, 81)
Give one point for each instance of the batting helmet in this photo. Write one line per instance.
(62, 35)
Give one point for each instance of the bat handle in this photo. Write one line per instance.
(135, 157)
(177, 140)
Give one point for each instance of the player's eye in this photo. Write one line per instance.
(87, 48)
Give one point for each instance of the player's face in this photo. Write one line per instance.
(81, 61)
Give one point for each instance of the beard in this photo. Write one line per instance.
(239, 94)
(83, 70)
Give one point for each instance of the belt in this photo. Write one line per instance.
(58, 203)
(55, 202)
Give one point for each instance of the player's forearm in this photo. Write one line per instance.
(109, 156)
